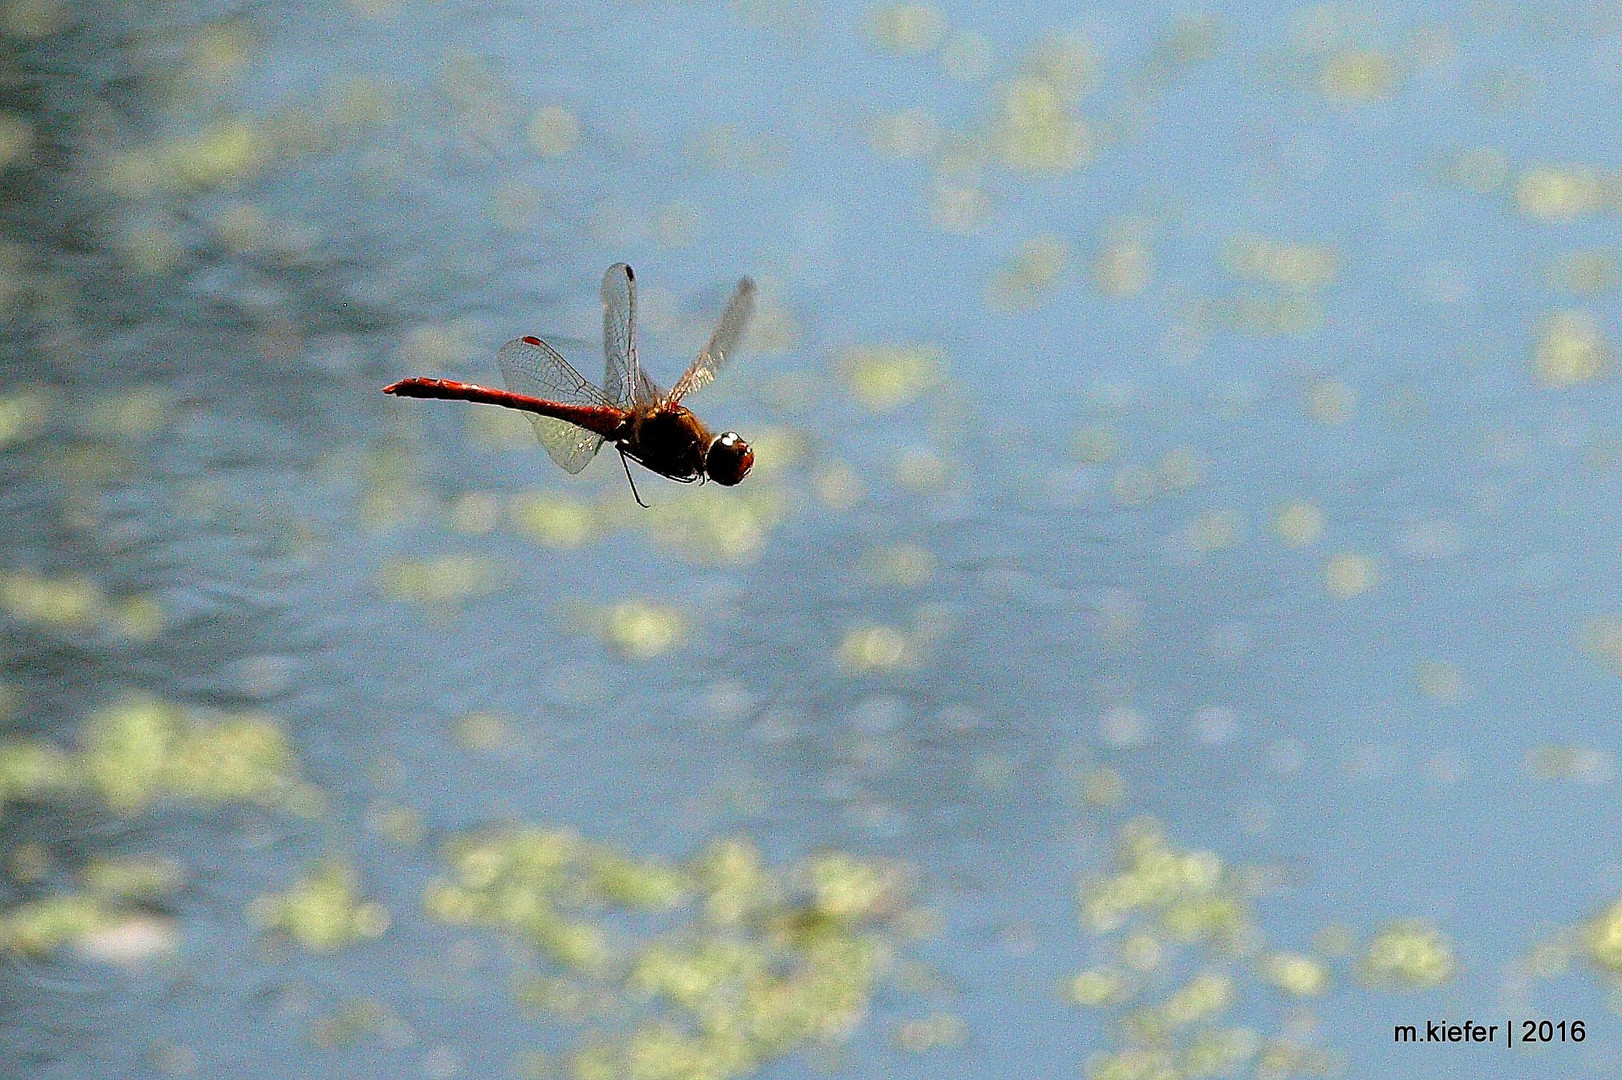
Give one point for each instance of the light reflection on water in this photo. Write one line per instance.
(1205, 420)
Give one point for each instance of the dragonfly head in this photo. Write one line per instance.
(729, 459)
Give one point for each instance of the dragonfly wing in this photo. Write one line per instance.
(531, 366)
(625, 382)
(646, 389)
(724, 342)
(570, 446)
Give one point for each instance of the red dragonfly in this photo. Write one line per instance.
(573, 418)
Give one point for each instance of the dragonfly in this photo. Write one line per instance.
(573, 417)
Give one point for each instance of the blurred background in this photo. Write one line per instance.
(1173, 627)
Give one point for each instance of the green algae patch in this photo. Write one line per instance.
(1296, 974)
(22, 416)
(735, 883)
(1602, 940)
(645, 885)
(35, 770)
(40, 927)
(64, 603)
(351, 1023)
(94, 925)
(885, 378)
(323, 910)
(547, 518)
(719, 964)
(1184, 891)
(640, 630)
(75, 605)
(143, 749)
(140, 879)
(442, 585)
(529, 880)
(1177, 949)
(711, 525)
(1407, 955)
(137, 752)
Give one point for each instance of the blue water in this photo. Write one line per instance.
(1404, 714)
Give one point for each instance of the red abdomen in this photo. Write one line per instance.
(603, 420)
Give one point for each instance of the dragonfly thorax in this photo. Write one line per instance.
(668, 440)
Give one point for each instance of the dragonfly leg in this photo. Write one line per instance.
(626, 462)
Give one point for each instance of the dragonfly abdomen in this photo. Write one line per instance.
(603, 420)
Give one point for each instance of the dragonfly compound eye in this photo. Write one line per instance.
(729, 459)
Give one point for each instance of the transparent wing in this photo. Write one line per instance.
(625, 383)
(729, 332)
(531, 366)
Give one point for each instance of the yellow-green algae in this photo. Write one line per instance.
(1299, 523)
(1177, 940)
(1596, 939)
(1031, 122)
(1571, 349)
(1296, 266)
(64, 603)
(1023, 283)
(131, 879)
(1183, 890)
(553, 131)
(639, 629)
(215, 149)
(735, 964)
(901, 565)
(1358, 76)
(22, 416)
(1586, 272)
(523, 880)
(351, 1022)
(138, 751)
(707, 524)
(1601, 638)
(1124, 262)
(906, 28)
(886, 377)
(1581, 764)
(1258, 314)
(441, 584)
(142, 749)
(940, 1031)
(322, 911)
(1296, 974)
(1331, 401)
(869, 647)
(1565, 193)
(1602, 938)
(16, 139)
(905, 134)
(34, 769)
(483, 731)
(557, 521)
(97, 920)
(39, 927)
(1409, 954)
